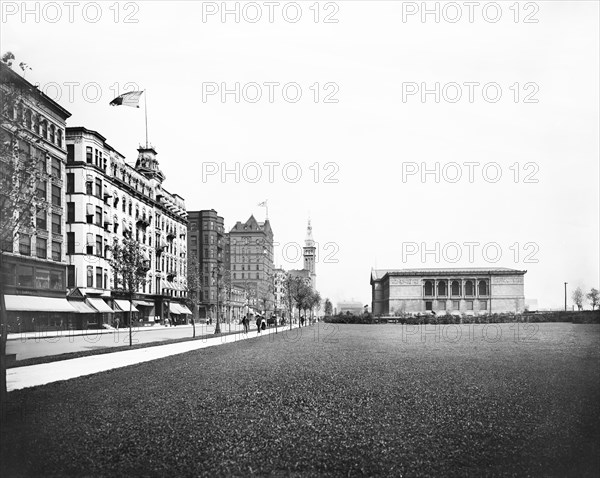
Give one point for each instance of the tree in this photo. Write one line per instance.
(130, 267)
(577, 297)
(328, 307)
(19, 176)
(593, 297)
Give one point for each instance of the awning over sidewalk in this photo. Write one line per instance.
(143, 303)
(81, 307)
(184, 309)
(123, 306)
(34, 303)
(99, 305)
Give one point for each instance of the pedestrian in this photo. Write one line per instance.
(258, 321)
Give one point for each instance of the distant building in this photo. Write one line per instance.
(468, 290)
(251, 260)
(355, 308)
(207, 245)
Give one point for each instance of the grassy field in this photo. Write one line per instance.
(342, 400)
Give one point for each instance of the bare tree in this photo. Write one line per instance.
(577, 297)
(130, 267)
(594, 297)
(194, 287)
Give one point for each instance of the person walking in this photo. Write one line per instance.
(258, 322)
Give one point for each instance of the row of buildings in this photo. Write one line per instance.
(56, 269)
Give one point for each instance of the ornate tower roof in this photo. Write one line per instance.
(147, 164)
(309, 241)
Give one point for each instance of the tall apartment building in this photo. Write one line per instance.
(32, 127)
(251, 259)
(108, 199)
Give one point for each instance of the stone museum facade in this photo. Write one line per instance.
(472, 291)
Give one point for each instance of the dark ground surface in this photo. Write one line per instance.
(351, 400)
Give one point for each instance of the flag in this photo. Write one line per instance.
(263, 204)
(132, 98)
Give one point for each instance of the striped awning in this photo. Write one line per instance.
(99, 305)
(143, 303)
(123, 305)
(184, 309)
(81, 307)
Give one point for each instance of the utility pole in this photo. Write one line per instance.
(566, 296)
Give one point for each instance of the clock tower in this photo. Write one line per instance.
(310, 256)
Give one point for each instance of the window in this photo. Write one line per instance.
(469, 289)
(59, 137)
(70, 243)
(469, 304)
(123, 204)
(130, 210)
(56, 223)
(56, 280)
(441, 305)
(483, 288)
(99, 277)
(70, 212)
(24, 245)
(40, 220)
(56, 199)
(89, 243)
(428, 305)
(428, 289)
(88, 154)
(70, 183)
(99, 245)
(56, 167)
(442, 288)
(52, 135)
(96, 158)
(28, 121)
(42, 278)
(56, 253)
(483, 305)
(456, 304)
(99, 188)
(455, 287)
(41, 246)
(7, 245)
(44, 129)
(70, 153)
(89, 188)
(41, 191)
(42, 166)
(25, 276)
(70, 276)
(90, 276)
(89, 213)
(98, 216)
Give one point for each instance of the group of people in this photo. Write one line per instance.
(261, 323)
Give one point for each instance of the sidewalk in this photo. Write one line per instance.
(43, 334)
(35, 375)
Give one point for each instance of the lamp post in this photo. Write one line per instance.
(566, 296)
(216, 273)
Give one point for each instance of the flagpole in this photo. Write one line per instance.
(146, 116)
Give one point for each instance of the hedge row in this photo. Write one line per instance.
(583, 317)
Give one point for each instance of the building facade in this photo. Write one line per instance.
(207, 248)
(32, 130)
(470, 291)
(106, 200)
(251, 260)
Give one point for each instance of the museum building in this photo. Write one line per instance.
(471, 291)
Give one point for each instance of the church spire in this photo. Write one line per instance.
(309, 241)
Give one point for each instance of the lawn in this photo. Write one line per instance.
(384, 400)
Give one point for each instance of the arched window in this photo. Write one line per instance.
(442, 288)
(44, 129)
(52, 134)
(469, 288)
(130, 208)
(59, 135)
(116, 201)
(455, 287)
(28, 121)
(428, 288)
(483, 288)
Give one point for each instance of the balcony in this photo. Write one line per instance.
(142, 222)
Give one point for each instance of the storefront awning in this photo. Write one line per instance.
(175, 308)
(81, 307)
(143, 303)
(99, 305)
(123, 305)
(37, 304)
(184, 309)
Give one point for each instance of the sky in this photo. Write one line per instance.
(337, 118)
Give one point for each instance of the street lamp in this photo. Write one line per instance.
(566, 296)
(216, 274)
